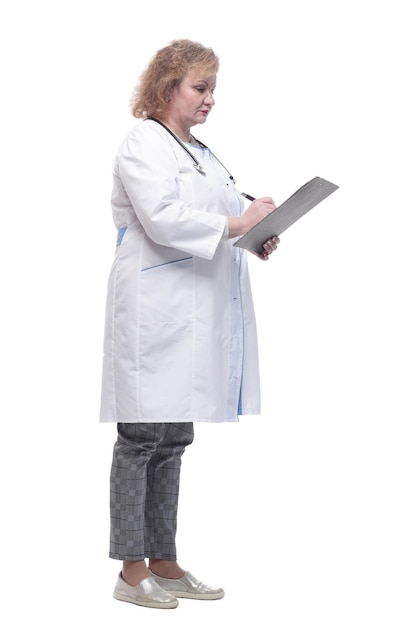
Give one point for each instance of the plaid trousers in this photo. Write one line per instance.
(144, 487)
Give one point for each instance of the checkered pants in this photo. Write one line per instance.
(144, 486)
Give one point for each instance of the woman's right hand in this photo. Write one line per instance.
(256, 211)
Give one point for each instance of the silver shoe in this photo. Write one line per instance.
(147, 593)
(189, 587)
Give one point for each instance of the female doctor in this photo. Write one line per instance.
(180, 335)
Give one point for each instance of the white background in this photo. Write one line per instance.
(307, 514)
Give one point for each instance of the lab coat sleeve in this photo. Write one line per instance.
(149, 171)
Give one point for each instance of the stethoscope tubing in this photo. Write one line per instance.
(197, 164)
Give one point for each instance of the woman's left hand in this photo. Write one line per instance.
(269, 246)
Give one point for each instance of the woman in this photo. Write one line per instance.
(180, 338)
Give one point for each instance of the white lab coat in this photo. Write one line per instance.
(180, 339)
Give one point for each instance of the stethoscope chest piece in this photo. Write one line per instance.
(199, 168)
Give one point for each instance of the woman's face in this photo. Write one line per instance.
(191, 102)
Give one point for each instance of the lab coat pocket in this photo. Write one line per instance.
(166, 293)
(166, 337)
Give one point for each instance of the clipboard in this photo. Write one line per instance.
(297, 205)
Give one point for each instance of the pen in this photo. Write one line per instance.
(248, 197)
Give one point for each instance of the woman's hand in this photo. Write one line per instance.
(256, 211)
(269, 246)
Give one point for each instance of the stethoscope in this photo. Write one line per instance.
(197, 165)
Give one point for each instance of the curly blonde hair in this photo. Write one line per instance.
(165, 71)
